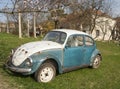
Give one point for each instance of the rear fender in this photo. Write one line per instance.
(94, 54)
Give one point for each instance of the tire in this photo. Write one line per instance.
(96, 62)
(45, 73)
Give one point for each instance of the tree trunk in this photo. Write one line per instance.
(20, 30)
(34, 18)
(28, 30)
(7, 24)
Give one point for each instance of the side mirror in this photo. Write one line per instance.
(67, 45)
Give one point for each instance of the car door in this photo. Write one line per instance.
(89, 48)
(73, 52)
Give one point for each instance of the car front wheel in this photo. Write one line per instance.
(96, 62)
(45, 73)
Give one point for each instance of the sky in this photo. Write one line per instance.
(3, 4)
(115, 8)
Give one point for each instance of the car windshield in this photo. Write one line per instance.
(55, 36)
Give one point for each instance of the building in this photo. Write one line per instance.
(3, 27)
(103, 28)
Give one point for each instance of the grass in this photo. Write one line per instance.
(107, 76)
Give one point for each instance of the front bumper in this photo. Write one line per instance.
(19, 70)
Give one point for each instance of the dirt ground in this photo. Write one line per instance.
(3, 83)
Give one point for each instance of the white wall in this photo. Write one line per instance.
(105, 25)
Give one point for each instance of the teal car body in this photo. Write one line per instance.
(65, 53)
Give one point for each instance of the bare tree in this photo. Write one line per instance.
(35, 7)
(116, 31)
(86, 12)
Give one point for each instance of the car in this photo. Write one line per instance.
(60, 51)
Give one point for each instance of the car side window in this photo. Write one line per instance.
(75, 41)
(80, 40)
(88, 41)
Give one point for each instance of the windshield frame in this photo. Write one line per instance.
(60, 33)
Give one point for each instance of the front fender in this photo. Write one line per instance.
(36, 64)
(41, 58)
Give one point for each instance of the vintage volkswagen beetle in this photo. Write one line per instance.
(60, 51)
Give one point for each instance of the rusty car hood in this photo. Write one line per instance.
(26, 50)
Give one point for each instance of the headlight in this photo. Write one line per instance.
(28, 62)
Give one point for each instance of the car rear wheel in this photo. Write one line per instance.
(45, 73)
(96, 62)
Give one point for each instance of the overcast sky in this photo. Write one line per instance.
(115, 7)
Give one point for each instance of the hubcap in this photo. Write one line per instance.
(46, 74)
(96, 62)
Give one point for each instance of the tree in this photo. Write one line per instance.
(86, 12)
(116, 31)
(35, 8)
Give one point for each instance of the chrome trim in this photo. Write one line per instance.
(30, 60)
(12, 51)
(19, 70)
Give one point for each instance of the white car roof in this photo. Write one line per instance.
(71, 32)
